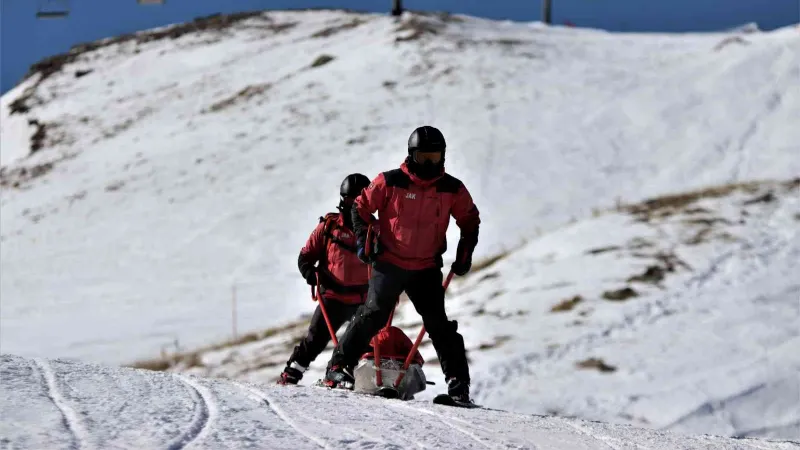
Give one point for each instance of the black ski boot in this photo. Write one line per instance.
(340, 378)
(458, 390)
(292, 374)
(457, 395)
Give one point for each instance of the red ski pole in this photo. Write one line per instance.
(318, 298)
(418, 341)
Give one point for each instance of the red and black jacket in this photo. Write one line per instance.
(343, 276)
(413, 217)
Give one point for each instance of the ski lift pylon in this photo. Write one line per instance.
(52, 9)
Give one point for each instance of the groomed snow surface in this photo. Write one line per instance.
(56, 404)
(166, 172)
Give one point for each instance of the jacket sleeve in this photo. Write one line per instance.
(371, 199)
(468, 219)
(312, 251)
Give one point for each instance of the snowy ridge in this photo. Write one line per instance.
(131, 408)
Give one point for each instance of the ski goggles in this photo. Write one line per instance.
(422, 157)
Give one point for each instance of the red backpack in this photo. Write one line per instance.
(394, 344)
(330, 220)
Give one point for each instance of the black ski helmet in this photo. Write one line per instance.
(426, 138)
(352, 185)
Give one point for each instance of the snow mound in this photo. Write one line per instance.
(65, 404)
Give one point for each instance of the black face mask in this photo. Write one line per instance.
(344, 208)
(426, 170)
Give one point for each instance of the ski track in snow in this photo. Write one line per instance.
(226, 417)
(595, 437)
(768, 107)
(72, 421)
(263, 397)
(368, 436)
(390, 403)
(447, 421)
(716, 406)
(205, 414)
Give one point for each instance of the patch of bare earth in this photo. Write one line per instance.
(190, 359)
(244, 95)
(567, 304)
(670, 205)
(620, 295)
(596, 364)
(338, 28)
(321, 60)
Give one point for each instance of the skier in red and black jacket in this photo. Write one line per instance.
(414, 205)
(342, 275)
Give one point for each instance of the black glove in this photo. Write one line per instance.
(463, 261)
(311, 276)
(374, 252)
(324, 279)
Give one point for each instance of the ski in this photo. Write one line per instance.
(444, 399)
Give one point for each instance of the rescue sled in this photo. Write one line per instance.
(399, 374)
(392, 378)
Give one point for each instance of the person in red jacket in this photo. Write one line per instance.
(414, 205)
(342, 275)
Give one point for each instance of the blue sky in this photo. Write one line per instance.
(25, 40)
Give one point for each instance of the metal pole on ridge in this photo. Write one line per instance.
(419, 340)
(397, 7)
(547, 11)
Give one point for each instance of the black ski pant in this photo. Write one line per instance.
(424, 289)
(318, 335)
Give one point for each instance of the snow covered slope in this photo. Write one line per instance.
(171, 166)
(145, 177)
(59, 404)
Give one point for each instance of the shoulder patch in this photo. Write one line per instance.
(448, 184)
(397, 178)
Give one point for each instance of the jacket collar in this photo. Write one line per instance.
(417, 180)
